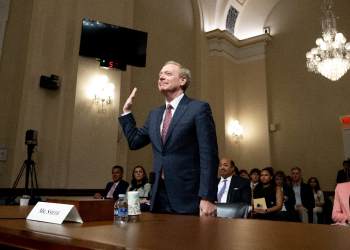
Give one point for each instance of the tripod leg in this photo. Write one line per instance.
(19, 175)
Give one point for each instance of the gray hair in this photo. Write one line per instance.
(182, 72)
(296, 168)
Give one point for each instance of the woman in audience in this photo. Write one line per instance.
(139, 182)
(318, 196)
(272, 193)
(287, 211)
(341, 213)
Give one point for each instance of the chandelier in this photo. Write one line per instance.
(331, 58)
(103, 94)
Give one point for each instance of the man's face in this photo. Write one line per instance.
(225, 168)
(255, 177)
(117, 175)
(346, 166)
(296, 175)
(169, 79)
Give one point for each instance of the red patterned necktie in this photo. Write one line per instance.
(167, 120)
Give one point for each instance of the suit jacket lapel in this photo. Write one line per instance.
(180, 110)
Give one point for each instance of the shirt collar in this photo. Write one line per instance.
(174, 103)
(297, 185)
(228, 178)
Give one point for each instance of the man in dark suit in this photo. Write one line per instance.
(118, 186)
(183, 138)
(304, 197)
(344, 174)
(232, 189)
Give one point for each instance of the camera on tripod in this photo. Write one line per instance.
(31, 137)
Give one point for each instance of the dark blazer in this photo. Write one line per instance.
(239, 190)
(307, 199)
(341, 177)
(289, 192)
(120, 189)
(189, 155)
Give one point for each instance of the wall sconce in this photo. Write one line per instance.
(237, 131)
(103, 93)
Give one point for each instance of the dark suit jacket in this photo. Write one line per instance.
(289, 192)
(120, 189)
(239, 190)
(307, 199)
(189, 155)
(341, 177)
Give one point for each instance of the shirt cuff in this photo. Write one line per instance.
(126, 113)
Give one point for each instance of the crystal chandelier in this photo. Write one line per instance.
(103, 93)
(331, 58)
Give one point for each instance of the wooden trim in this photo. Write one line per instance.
(10, 192)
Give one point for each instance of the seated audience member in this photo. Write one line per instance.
(341, 213)
(344, 174)
(287, 211)
(118, 186)
(272, 193)
(304, 197)
(243, 173)
(289, 180)
(139, 182)
(236, 170)
(318, 196)
(254, 177)
(232, 189)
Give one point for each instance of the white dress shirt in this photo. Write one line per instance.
(221, 184)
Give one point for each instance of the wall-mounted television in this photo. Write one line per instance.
(111, 42)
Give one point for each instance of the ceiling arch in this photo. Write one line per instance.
(251, 18)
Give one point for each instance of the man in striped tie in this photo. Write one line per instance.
(232, 189)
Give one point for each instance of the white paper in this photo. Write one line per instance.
(54, 213)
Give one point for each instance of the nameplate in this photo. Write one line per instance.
(54, 213)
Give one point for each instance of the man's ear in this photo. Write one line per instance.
(183, 81)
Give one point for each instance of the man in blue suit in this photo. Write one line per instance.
(183, 138)
(118, 186)
(231, 188)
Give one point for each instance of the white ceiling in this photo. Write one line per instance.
(251, 18)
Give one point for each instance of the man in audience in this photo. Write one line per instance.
(344, 174)
(232, 189)
(254, 177)
(243, 173)
(304, 197)
(118, 186)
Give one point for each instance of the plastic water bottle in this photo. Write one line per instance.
(121, 210)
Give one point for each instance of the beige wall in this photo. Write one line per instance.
(76, 149)
(306, 106)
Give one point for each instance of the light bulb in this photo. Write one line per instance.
(339, 36)
(319, 41)
(314, 51)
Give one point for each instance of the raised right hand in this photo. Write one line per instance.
(128, 103)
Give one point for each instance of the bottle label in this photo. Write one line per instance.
(121, 212)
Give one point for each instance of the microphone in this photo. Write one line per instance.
(152, 177)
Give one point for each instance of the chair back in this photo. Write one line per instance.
(232, 210)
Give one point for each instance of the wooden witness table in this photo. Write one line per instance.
(163, 231)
